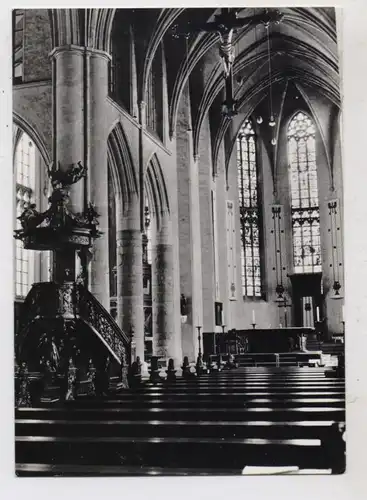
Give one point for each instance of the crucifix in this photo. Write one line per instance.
(226, 25)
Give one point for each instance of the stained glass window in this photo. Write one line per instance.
(304, 194)
(24, 192)
(248, 194)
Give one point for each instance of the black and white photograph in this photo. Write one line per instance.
(178, 242)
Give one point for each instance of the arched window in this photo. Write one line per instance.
(250, 211)
(304, 194)
(154, 96)
(31, 186)
(25, 185)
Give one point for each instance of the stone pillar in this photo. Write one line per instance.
(68, 114)
(97, 68)
(130, 313)
(166, 342)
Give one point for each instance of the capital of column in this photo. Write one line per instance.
(164, 233)
(79, 50)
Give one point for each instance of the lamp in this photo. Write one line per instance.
(272, 121)
(199, 340)
(183, 305)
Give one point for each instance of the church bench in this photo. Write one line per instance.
(46, 470)
(216, 402)
(162, 428)
(182, 413)
(332, 388)
(208, 396)
(234, 394)
(247, 417)
(178, 452)
(327, 383)
(75, 470)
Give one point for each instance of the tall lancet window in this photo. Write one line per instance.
(25, 196)
(250, 211)
(304, 194)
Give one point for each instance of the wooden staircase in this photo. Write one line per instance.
(219, 423)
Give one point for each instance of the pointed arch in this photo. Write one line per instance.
(91, 27)
(319, 129)
(163, 23)
(65, 26)
(156, 190)
(122, 167)
(99, 28)
(30, 130)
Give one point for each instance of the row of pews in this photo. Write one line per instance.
(297, 359)
(229, 422)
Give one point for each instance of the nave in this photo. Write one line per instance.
(241, 421)
(178, 195)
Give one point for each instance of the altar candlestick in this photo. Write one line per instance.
(253, 317)
(317, 314)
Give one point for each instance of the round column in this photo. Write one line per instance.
(68, 118)
(166, 342)
(130, 312)
(98, 174)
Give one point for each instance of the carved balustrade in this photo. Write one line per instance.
(71, 301)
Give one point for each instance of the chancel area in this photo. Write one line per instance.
(178, 242)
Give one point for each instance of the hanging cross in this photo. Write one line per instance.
(225, 25)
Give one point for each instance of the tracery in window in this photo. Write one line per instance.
(25, 184)
(248, 193)
(154, 95)
(304, 195)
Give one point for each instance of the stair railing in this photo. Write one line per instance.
(73, 301)
(100, 320)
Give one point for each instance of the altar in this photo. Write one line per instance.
(258, 340)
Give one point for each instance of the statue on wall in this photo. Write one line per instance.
(31, 218)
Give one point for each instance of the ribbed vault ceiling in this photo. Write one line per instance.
(303, 51)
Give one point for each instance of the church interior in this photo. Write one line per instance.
(179, 274)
